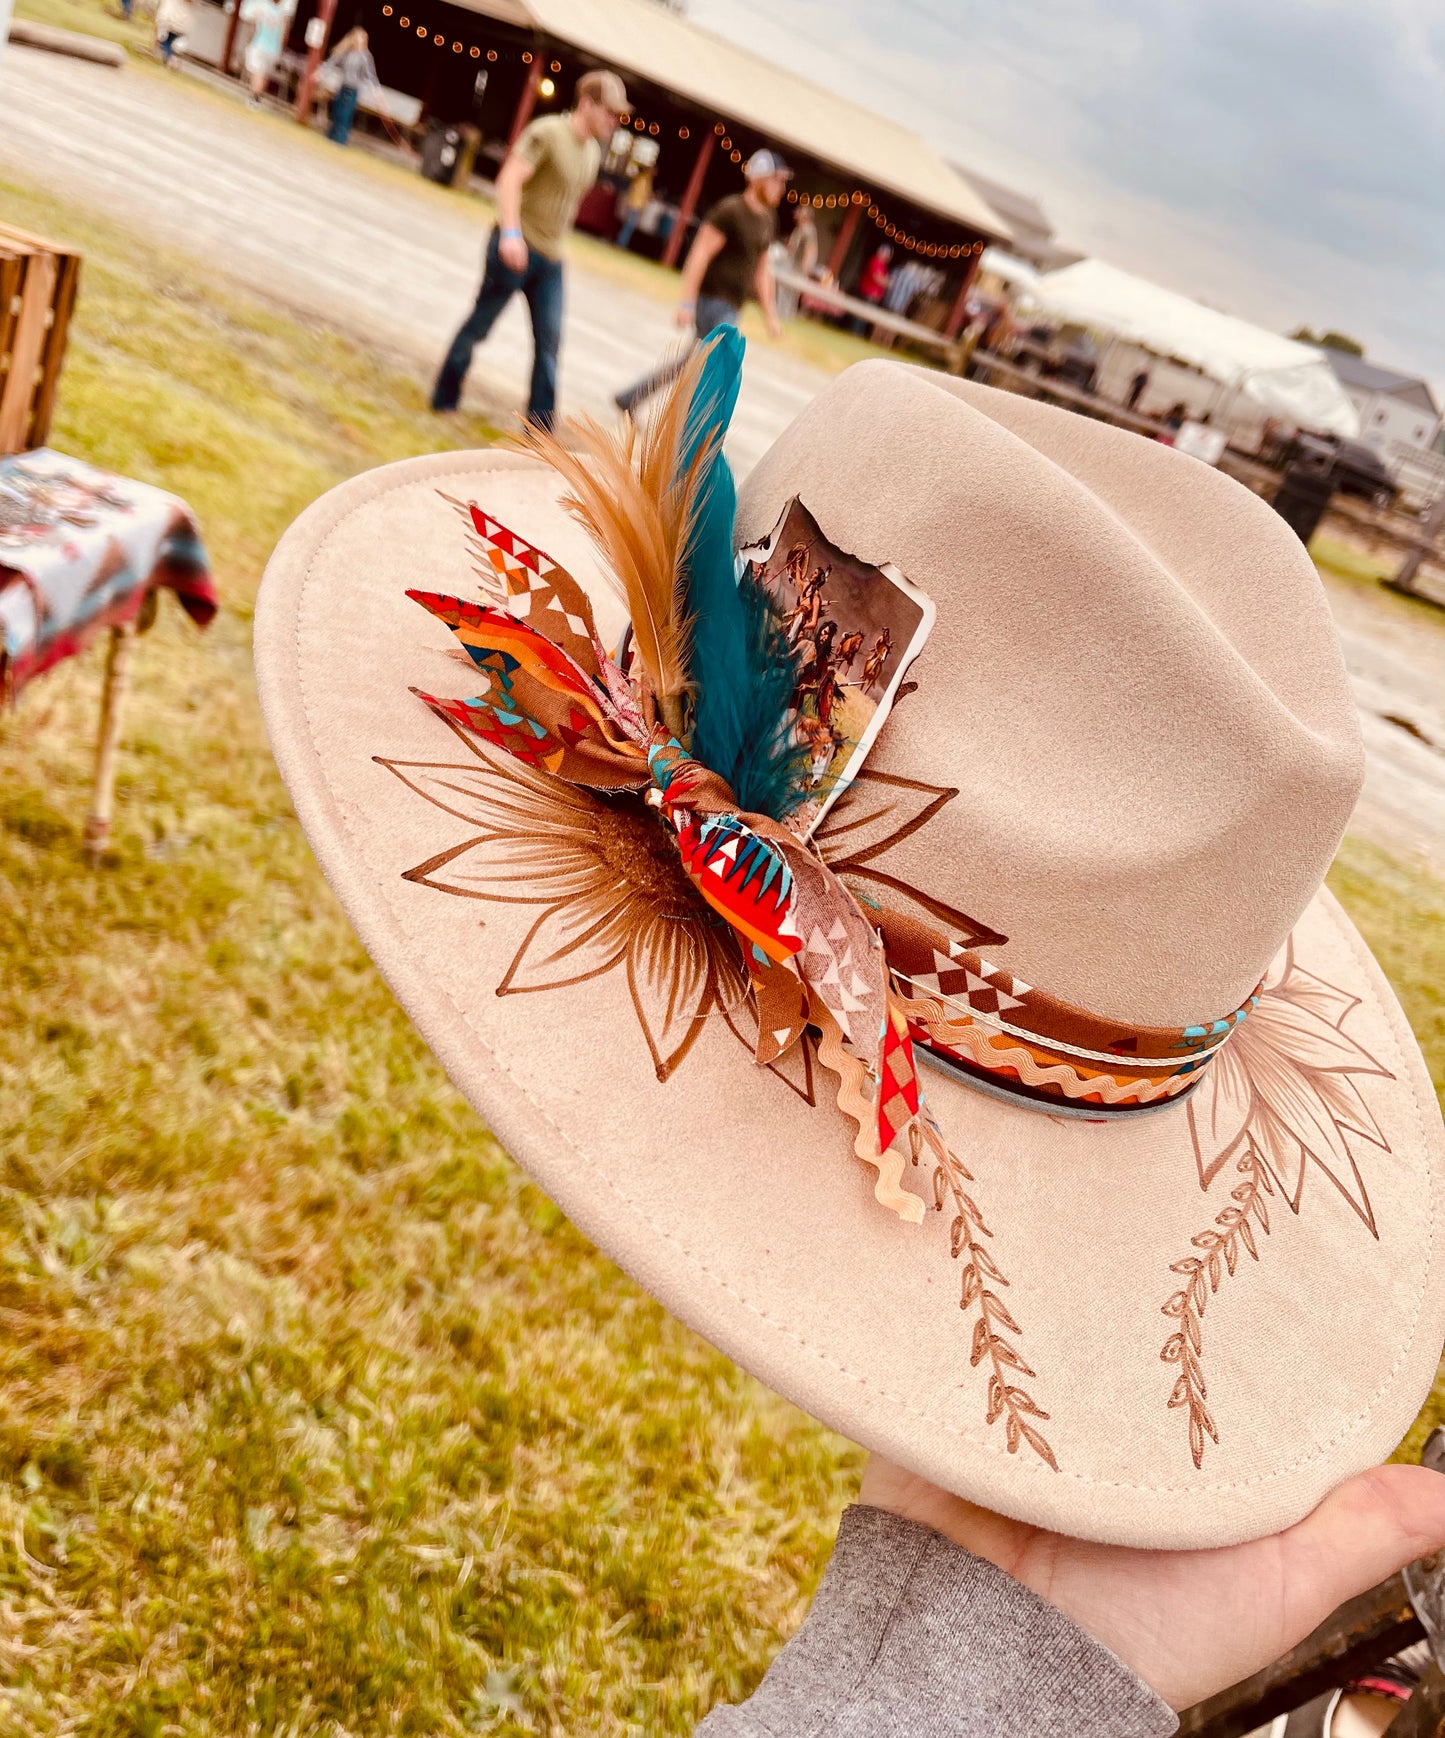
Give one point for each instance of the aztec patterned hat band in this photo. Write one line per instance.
(728, 724)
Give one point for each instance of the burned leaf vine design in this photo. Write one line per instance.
(877, 813)
(1203, 1274)
(611, 893)
(1279, 1099)
(1008, 1399)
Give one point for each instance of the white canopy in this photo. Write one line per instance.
(1013, 271)
(1284, 377)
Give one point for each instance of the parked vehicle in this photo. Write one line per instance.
(1361, 471)
(1358, 469)
(1070, 355)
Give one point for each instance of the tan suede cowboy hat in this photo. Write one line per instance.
(1164, 1259)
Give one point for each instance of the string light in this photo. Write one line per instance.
(859, 201)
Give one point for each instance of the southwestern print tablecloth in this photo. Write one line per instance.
(80, 550)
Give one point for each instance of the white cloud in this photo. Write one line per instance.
(1284, 159)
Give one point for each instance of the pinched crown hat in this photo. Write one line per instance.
(1027, 1111)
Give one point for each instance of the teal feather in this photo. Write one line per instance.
(743, 672)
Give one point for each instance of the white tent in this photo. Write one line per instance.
(1003, 265)
(1282, 376)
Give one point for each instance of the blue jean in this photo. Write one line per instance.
(712, 312)
(541, 284)
(343, 113)
(628, 230)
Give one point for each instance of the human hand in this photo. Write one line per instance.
(686, 314)
(774, 325)
(1190, 1623)
(512, 251)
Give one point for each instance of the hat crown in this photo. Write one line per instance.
(1134, 686)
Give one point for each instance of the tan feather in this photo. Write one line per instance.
(625, 490)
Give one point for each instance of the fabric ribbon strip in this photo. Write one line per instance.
(876, 984)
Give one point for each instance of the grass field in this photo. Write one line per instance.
(315, 1417)
(311, 1410)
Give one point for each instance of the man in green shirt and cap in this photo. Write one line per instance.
(727, 264)
(539, 188)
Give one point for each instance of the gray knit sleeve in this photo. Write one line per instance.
(911, 1637)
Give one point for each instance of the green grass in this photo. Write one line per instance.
(91, 18)
(1346, 561)
(315, 1417)
(1401, 913)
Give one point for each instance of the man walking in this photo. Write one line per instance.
(539, 188)
(727, 263)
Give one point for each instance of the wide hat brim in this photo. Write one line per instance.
(1196, 1323)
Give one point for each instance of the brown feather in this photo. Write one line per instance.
(625, 490)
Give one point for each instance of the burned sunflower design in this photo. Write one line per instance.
(1279, 1101)
(611, 893)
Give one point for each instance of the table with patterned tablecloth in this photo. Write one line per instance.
(82, 550)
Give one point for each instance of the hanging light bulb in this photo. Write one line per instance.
(546, 88)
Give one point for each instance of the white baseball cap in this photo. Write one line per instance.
(763, 163)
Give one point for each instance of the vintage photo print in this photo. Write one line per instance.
(854, 630)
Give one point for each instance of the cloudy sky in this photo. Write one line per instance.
(1281, 159)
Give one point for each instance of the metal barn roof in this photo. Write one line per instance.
(650, 42)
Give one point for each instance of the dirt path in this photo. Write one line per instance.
(397, 261)
(336, 235)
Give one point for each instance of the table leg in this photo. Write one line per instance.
(112, 704)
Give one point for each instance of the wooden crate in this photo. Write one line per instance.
(38, 280)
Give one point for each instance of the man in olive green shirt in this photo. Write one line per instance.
(539, 188)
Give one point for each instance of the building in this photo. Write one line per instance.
(1033, 234)
(1393, 407)
(702, 105)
